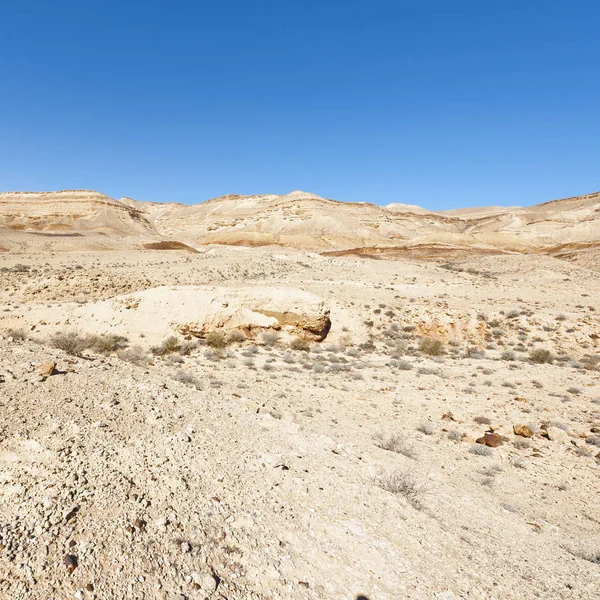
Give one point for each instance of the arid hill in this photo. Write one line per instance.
(569, 227)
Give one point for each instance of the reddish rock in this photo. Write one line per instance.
(493, 440)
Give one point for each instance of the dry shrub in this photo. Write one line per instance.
(431, 347)
(135, 355)
(394, 443)
(301, 344)
(168, 346)
(404, 484)
(107, 343)
(17, 335)
(188, 379)
(236, 337)
(541, 356)
(72, 342)
(216, 339)
(269, 338)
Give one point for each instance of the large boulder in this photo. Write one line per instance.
(197, 310)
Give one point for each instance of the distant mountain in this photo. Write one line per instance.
(304, 220)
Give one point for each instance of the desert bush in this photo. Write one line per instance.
(426, 428)
(404, 484)
(214, 355)
(454, 435)
(236, 337)
(187, 347)
(508, 355)
(135, 355)
(403, 365)
(541, 356)
(482, 420)
(394, 443)
(168, 346)
(428, 371)
(72, 342)
(107, 343)
(188, 379)
(481, 450)
(431, 347)
(18, 335)
(521, 444)
(300, 344)
(216, 339)
(269, 338)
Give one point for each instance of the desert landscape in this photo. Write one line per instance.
(292, 397)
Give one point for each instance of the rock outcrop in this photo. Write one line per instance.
(195, 311)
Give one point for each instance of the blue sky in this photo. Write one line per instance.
(437, 103)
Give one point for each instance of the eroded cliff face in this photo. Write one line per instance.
(71, 211)
(306, 221)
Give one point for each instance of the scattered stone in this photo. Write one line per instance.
(70, 561)
(493, 440)
(47, 369)
(523, 431)
(555, 434)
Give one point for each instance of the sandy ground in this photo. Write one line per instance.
(260, 471)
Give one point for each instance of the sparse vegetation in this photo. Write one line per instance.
(541, 356)
(188, 379)
(395, 443)
(168, 346)
(72, 342)
(404, 484)
(481, 450)
(426, 428)
(107, 343)
(135, 355)
(17, 335)
(300, 344)
(216, 339)
(269, 338)
(431, 347)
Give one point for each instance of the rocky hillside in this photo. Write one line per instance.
(71, 211)
(569, 227)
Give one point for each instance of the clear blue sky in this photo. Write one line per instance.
(439, 103)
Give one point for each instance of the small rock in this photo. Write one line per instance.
(523, 431)
(70, 561)
(555, 434)
(493, 440)
(207, 582)
(185, 547)
(47, 369)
